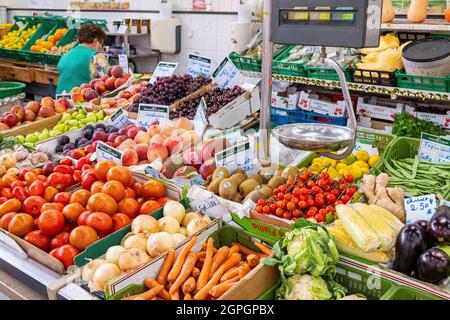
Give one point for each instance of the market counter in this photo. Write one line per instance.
(27, 72)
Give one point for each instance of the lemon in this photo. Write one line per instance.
(373, 161)
(355, 171)
(362, 155)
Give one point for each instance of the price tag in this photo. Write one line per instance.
(239, 156)
(200, 120)
(366, 144)
(227, 75)
(66, 96)
(199, 66)
(123, 62)
(164, 69)
(233, 135)
(123, 29)
(444, 203)
(119, 119)
(420, 208)
(147, 113)
(105, 152)
(154, 173)
(434, 148)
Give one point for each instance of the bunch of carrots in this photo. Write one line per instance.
(204, 275)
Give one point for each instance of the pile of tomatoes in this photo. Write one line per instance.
(65, 223)
(308, 196)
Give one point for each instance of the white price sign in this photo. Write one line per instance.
(106, 152)
(227, 75)
(123, 62)
(123, 28)
(198, 66)
(119, 119)
(164, 69)
(420, 208)
(239, 156)
(147, 113)
(232, 135)
(200, 120)
(66, 96)
(434, 148)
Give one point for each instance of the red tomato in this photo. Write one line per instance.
(261, 202)
(51, 222)
(259, 209)
(302, 204)
(273, 207)
(66, 253)
(348, 178)
(32, 205)
(162, 201)
(17, 183)
(59, 240)
(82, 218)
(295, 200)
(310, 203)
(86, 167)
(304, 191)
(296, 213)
(300, 184)
(37, 188)
(310, 213)
(290, 206)
(296, 192)
(81, 162)
(280, 196)
(54, 253)
(6, 193)
(304, 177)
(100, 221)
(331, 198)
(82, 236)
(38, 239)
(62, 197)
(77, 176)
(283, 188)
(279, 212)
(22, 173)
(324, 176)
(345, 198)
(19, 193)
(69, 180)
(319, 202)
(281, 204)
(327, 187)
(288, 196)
(287, 215)
(3, 199)
(319, 217)
(316, 190)
(276, 191)
(336, 192)
(88, 178)
(322, 183)
(66, 161)
(342, 187)
(351, 191)
(30, 177)
(324, 212)
(120, 220)
(330, 209)
(338, 202)
(266, 209)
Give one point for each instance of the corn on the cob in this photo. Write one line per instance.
(389, 218)
(345, 244)
(385, 233)
(362, 234)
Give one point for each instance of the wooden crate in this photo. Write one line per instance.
(44, 76)
(12, 72)
(32, 127)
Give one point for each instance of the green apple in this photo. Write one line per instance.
(29, 145)
(65, 117)
(60, 127)
(80, 116)
(91, 116)
(20, 139)
(43, 136)
(54, 133)
(100, 115)
(32, 138)
(107, 118)
(72, 123)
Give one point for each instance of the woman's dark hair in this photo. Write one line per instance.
(89, 32)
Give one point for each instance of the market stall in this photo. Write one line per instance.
(314, 165)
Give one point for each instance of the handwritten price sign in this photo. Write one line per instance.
(420, 208)
(227, 75)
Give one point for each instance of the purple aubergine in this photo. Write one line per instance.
(439, 225)
(409, 246)
(433, 265)
(423, 224)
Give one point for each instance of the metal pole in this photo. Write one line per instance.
(266, 87)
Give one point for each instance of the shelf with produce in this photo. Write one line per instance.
(429, 25)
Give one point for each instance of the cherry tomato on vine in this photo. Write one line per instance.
(261, 202)
(351, 191)
(331, 198)
(266, 209)
(345, 198)
(319, 217)
(348, 178)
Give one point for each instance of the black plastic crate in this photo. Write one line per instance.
(380, 78)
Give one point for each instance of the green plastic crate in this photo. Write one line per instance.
(440, 84)
(294, 69)
(325, 73)
(246, 63)
(9, 89)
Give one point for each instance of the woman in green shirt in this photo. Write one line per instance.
(84, 62)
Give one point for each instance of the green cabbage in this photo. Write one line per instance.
(307, 287)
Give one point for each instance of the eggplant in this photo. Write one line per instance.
(409, 246)
(423, 224)
(439, 226)
(433, 265)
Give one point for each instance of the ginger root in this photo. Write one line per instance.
(391, 199)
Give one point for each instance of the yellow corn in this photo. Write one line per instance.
(389, 218)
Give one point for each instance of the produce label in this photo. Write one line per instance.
(366, 144)
(239, 156)
(164, 69)
(119, 119)
(227, 75)
(434, 148)
(105, 152)
(198, 66)
(123, 28)
(147, 113)
(66, 96)
(233, 135)
(420, 208)
(123, 62)
(200, 120)
(444, 203)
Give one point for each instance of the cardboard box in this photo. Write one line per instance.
(306, 102)
(285, 102)
(378, 112)
(442, 120)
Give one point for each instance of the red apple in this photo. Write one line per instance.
(207, 168)
(33, 106)
(19, 112)
(117, 71)
(10, 119)
(29, 115)
(192, 157)
(46, 111)
(48, 101)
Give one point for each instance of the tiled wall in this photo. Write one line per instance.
(207, 34)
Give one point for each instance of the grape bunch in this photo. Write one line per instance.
(215, 99)
(167, 90)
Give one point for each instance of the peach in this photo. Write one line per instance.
(167, 131)
(104, 78)
(132, 132)
(65, 102)
(119, 140)
(110, 83)
(124, 94)
(120, 82)
(33, 106)
(154, 129)
(116, 71)
(48, 101)
(109, 101)
(130, 158)
(59, 107)
(85, 86)
(29, 115)
(100, 86)
(75, 90)
(142, 137)
(141, 150)
(127, 144)
(77, 97)
(173, 144)
(158, 139)
(179, 132)
(90, 94)
(144, 162)
(46, 111)
(184, 123)
(19, 111)
(93, 82)
(189, 138)
(122, 103)
(156, 151)
(3, 126)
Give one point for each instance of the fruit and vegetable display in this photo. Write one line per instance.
(62, 49)
(406, 125)
(18, 38)
(254, 48)
(19, 157)
(167, 90)
(32, 111)
(49, 44)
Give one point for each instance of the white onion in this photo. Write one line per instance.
(169, 224)
(89, 269)
(159, 242)
(178, 238)
(103, 274)
(132, 258)
(183, 231)
(113, 254)
(138, 241)
(189, 217)
(174, 209)
(8, 160)
(196, 225)
(144, 224)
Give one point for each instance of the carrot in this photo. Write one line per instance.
(219, 258)
(253, 260)
(234, 249)
(188, 286)
(187, 297)
(188, 266)
(220, 289)
(243, 270)
(232, 261)
(151, 283)
(175, 295)
(162, 276)
(205, 245)
(195, 273)
(201, 260)
(233, 280)
(246, 251)
(265, 250)
(205, 271)
(233, 272)
(201, 254)
(176, 269)
(147, 295)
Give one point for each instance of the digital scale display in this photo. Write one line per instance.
(330, 16)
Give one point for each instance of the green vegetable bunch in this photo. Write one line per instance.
(406, 125)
